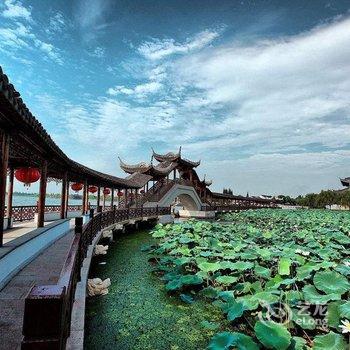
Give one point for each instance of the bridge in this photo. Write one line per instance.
(44, 254)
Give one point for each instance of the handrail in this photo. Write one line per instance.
(27, 212)
(47, 313)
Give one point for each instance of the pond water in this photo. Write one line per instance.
(138, 313)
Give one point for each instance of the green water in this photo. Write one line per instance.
(138, 313)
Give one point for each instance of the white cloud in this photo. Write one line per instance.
(159, 49)
(99, 52)
(15, 9)
(139, 90)
(272, 116)
(19, 36)
(57, 23)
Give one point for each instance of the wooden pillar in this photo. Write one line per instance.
(104, 199)
(85, 192)
(9, 197)
(126, 197)
(112, 197)
(147, 186)
(64, 195)
(42, 194)
(67, 200)
(98, 196)
(174, 172)
(5, 146)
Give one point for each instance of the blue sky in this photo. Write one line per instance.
(258, 90)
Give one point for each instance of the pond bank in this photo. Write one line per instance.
(138, 313)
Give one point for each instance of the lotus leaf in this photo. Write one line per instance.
(312, 296)
(272, 335)
(331, 282)
(227, 340)
(330, 341)
(209, 267)
(284, 266)
(226, 280)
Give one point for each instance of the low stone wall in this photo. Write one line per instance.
(197, 214)
(20, 251)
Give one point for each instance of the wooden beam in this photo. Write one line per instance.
(5, 146)
(64, 195)
(10, 197)
(42, 194)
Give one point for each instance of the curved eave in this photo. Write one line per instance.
(345, 181)
(189, 163)
(170, 157)
(135, 168)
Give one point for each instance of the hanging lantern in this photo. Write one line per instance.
(106, 191)
(142, 191)
(27, 175)
(77, 187)
(93, 189)
(120, 194)
(131, 195)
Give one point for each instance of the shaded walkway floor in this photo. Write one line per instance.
(20, 229)
(44, 269)
(138, 313)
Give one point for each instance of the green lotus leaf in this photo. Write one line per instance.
(297, 343)
(333, 314)
(191, 279)
(272, 335)
(344, 310)
(312, 296)
(221, 341)
(226, 280)
(284, 266)
(160, 233)
(330, 341)
(186, 298)
(209, 267)
(185, 239)
(262, 271)
(331, 282)
(242, 265)
(227, 340)
(209, 292)
(235, 310)
(303, 319)
(343, 269)
(173, 285)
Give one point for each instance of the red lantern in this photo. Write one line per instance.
(93, 189)
(27, 175)
(76, 187)
(120, 194)
(142, 191)
(106, 191)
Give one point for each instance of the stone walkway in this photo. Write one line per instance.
(44, 269)
(20, 229)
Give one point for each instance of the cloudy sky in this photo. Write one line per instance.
(258, 90)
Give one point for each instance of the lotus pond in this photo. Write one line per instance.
(279, 278)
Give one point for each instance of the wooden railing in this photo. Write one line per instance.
(47, 313)
(27, 212)
(239, 205)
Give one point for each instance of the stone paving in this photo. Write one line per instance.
(20, 229)
(44, 269)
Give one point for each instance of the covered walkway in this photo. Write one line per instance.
(44, 269)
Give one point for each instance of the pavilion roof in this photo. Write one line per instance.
(175, 157)
(345, 181)
(31, 143)
(155, 171)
